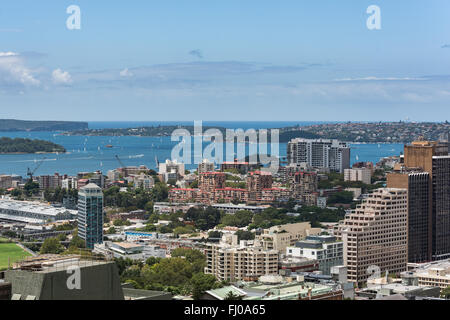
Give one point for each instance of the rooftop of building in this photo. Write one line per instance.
(127, 245)
(213, 173)
(261, 173)
(316, 241)
(238, 206)
(424, 143)
(222, 293)
(33, 207)
(53, 263)
(137, 294)
(90, 186)
(443, 267)
(236, 162)
(292, 290)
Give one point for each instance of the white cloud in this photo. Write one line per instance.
(126, 73)
(382, 79)
(14, 72)
(61, 77)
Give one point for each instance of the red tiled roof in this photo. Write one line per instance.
(219, 173)
(231, 189)
(241, 163)
(262, 173)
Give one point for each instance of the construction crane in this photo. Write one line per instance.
(31, 173)
(120, 162)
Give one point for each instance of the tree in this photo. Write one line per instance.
(149, 207)
(10, 234)
(120, 222)
(239, 219)
(200, 283)
(231, 296)
(184, 230)
(61, 237)
(344, 197)
(51, 246)
(445, 293)
(16, 193)
(204, 219)
(111, 230)
(194, 185)
(160, 192)
(123, 264)
(169, 272)
(152, 261)
(31, 188)
(77, 242)
(195, 257)
(245, 235)
(215, 234)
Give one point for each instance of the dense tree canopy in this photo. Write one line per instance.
(135, 199)
(239, 219)
(181, 274)
(204, 219)
(19, 145)
(52, 245)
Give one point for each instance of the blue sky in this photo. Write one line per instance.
(225, 60)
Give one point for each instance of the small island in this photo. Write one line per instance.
(28, 146)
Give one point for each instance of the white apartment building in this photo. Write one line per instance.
(171, 170)
(143, 181)
(320, 153)
(205, 166)
(113, 175)
(246, 261)
(358, 174)
(325, 249)
(375, 235)
(69, 183)
(280, 237)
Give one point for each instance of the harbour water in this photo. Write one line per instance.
(89, 153)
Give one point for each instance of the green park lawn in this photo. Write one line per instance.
(12, 251)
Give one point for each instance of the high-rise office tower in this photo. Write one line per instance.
(375, 235)
(90, 215)
(418, 184)
(433, 157)
(441, 207)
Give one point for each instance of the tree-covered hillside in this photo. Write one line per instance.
(19, 145)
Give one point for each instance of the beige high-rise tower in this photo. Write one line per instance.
(375, 235)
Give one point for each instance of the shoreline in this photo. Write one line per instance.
(25, 153)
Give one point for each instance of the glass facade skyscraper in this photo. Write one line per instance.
(90, 215)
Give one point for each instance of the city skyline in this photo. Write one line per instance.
(305, 61)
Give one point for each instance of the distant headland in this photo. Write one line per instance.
(357, 132)
(10, 125)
